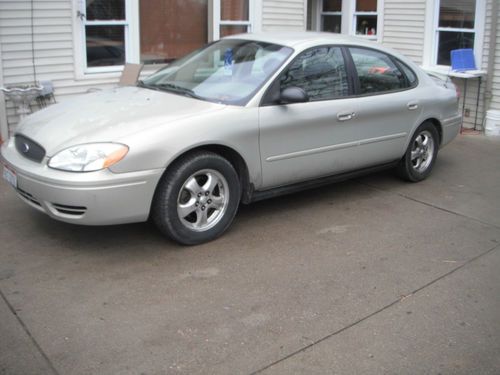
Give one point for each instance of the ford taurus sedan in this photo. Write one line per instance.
(246, 118)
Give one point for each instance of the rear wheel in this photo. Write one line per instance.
(420, 155)
(197, 198)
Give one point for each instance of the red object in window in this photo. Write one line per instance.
(379, 70)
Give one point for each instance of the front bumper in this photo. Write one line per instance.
(92, 198)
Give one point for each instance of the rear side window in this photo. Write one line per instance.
(376, 71)
(320, 72)
(410, 75)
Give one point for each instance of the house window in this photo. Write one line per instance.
(354, 17)
(456, 28)
(365, 18)
(170, 29)
(234, 17)
(106, 32)
(331, 16)
(111, 33)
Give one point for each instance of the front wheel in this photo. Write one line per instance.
(197, 198)
(420, 155)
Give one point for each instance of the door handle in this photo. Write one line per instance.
(412, 105)
(345, 116)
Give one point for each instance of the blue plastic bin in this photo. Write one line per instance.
(462, 60)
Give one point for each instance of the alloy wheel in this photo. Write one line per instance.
(203, 200)
(422, 151)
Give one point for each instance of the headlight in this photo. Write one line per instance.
(88, 157)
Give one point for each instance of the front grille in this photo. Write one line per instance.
(28, 197)
(69, 210)
(29, 149)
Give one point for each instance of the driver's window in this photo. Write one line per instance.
(320, 72)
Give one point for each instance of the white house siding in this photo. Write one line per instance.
(404, 27)
(285, 15)
(495, 100)
(53, 48)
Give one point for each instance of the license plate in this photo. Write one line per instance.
(10, 176)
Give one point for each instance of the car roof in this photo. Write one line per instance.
(300, 38)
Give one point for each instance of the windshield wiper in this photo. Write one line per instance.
(170, 87)
(178, 89)
(141, 83)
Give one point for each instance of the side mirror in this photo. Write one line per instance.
(293, 95)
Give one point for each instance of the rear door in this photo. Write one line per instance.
(387, 104)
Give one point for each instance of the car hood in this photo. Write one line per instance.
(108, 116)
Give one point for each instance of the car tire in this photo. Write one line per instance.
(421, 154)
(197, 198)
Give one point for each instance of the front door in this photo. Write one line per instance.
(297, 140)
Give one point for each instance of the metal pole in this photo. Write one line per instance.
(4, 126)
(477, 101)
(463, 105)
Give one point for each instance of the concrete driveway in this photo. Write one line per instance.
(371, 276)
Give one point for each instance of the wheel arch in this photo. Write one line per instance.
(437, 124)
(231, 155)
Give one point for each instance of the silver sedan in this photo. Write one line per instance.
(246, 118)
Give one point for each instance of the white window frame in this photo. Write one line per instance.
(431, 38)
(349, 14)
(218, 22)
(322, 14)
(81, 50)
(132, 34)
(356, 14)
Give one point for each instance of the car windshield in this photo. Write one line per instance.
(229, 71)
